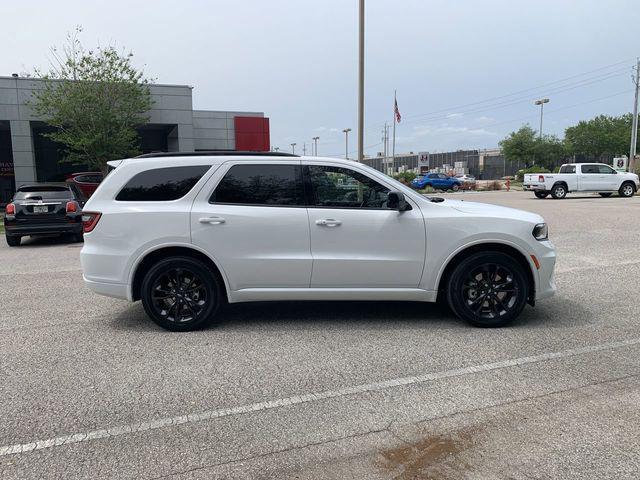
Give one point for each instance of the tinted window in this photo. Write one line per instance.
(568, 169)
(92, 178)
(43, 192)
(162, 184)
(590, 169)
(342, 187)
(605, 169)
(261, 185)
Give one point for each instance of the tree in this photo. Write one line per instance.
(603, 134)
(526, 147)
(95, 99)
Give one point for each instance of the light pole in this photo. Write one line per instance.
(293, 148)
(315, 145)
(346, 142)
(541, 102)
(361, 83)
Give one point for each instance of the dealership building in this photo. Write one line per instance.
(26, 155)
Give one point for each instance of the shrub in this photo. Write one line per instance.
(534, 169)
(405, 177)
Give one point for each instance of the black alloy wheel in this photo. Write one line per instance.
(180, 294)
(488, 289)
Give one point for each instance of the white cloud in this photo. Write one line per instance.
(455, 115)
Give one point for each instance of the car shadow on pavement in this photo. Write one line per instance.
(48, 240)
(556, 312)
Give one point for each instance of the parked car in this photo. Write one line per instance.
(466, 179)
(186, 233)
(86, 181)
(582, 177)
(439, 181)
(44, 209)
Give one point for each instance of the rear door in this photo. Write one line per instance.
(591, 178)
(356, 241)
(251, 218)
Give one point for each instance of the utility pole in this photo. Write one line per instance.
(541, 102)
(346, 142)
(315, 144)
(395, 118)
(634, 121)
(304, 148)
(361, 83)
(293, 148)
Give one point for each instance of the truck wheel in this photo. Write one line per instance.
(627, 190)
(181, 294)
(605, 194)
(541, 194)
(488, 289)
(13, 240)
(559, 191)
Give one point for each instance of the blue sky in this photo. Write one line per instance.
(454, 63)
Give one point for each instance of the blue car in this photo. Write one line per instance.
(439, 181)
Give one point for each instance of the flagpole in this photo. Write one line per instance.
(393, 147)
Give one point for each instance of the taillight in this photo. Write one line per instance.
(10, 209)
(72, 207)
(541, 178)
(89, 221)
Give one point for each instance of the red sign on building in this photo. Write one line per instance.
(252, 134)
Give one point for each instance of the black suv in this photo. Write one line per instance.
(44, 209)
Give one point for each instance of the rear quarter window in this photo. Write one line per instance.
(161, 184)
(44, 192)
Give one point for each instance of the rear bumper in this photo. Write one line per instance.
(42, 229)
(116, 290)
(536, 187)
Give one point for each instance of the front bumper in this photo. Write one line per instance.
(546, 280)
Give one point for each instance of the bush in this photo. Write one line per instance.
(405, 177)
(534, 169)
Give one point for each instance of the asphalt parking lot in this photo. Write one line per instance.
(89, 388)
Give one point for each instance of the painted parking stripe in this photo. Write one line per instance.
(299, 399)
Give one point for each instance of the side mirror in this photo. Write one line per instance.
(396, 201)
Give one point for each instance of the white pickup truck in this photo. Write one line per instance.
(582, 177)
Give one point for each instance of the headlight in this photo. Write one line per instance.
(541, 231)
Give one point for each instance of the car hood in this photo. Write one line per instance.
(490, 210)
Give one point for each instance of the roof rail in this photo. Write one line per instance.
(208, 153)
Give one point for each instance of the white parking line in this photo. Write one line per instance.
(298, 399)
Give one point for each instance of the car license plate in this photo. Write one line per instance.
(40, 209)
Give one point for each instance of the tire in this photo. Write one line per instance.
(485, 271)
(559, 191)
(78, 238)
(627, 190)
(189, 286)
(13, 240)
(455, 187)
(541, 194)
(605, 194)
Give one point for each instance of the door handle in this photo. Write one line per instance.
(212, 220)
(328, 222)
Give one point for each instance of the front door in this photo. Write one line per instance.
(251, 218)
(356, 241)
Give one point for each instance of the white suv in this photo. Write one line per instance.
(186, 233)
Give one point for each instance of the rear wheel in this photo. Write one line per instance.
(559, 191)
(488, 289)
(455, 187)
(13, 240)
(627, 190)
(181, 294)
(541, 194)
(605, 194)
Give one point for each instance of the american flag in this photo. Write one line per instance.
(396, 111)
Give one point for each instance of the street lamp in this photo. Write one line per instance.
(293, 148)
(346, 142)
(315, 144)
(541, 102)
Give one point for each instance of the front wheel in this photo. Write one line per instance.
(488, 289)
(541, 194)
(559, 191)
(627, 190)
(13, 240)
(181, 294)
(455, 187)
